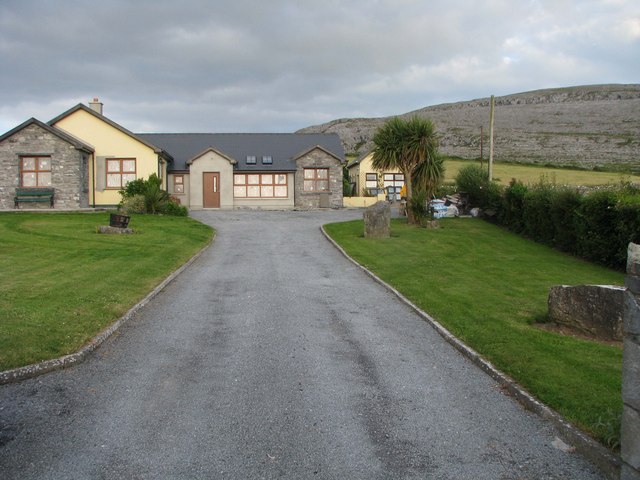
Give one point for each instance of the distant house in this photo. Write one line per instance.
(368, 181)
(86, 158)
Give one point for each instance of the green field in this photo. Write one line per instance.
(61, 282)
(530, 174)
(488, 287)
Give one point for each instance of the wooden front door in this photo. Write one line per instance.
(211, 185)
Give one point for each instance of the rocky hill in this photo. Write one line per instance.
(590, 126)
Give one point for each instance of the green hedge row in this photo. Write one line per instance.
(596, 225)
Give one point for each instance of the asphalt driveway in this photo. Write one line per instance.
(273, 356)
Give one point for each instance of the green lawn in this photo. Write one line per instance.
(61, 282)
(487, 286)
(531, 174)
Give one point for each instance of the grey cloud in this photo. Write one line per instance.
(251, 65)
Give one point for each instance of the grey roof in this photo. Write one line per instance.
(115, 125)
(76, 142)
(282, 147)
(359, 159)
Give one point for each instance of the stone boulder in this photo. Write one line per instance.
(595, 310)
(109, 230)
(377, 220)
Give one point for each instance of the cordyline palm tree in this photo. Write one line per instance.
(411, 146)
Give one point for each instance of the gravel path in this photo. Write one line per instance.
(272, 356)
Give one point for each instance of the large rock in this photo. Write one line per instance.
(377, 220)
(633, 259)
(592, 309)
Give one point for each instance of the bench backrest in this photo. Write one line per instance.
(34, 192)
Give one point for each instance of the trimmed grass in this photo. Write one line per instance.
(531, 174)
(61, 283)
(488, 286)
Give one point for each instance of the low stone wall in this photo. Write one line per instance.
(630, 442)
(591, 309)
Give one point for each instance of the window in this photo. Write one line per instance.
(260, 185)
(35, 171)
(178, 184)
(316, 180)
(267, 159)
(251, 159)
(120, 171)
(371, 180)
(393, 180)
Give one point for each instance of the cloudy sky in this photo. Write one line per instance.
(280, 65)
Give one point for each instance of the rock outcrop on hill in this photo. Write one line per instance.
(589, 126)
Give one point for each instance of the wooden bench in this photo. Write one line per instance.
(33, 195)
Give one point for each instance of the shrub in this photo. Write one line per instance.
(596, 226)
(513, 206)
(175, 209)
(154, 197)
(536, 207)
(491, 201)
(134, 187)
(133, 204)
(150, 189)
(563, 206)
(473, 180)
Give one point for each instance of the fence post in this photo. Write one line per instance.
(630, 433)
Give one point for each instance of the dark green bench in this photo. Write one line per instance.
(34, 195)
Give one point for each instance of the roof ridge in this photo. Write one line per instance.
(234, 133)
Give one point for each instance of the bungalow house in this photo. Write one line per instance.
(368, 181)
(85, 159)
(253, 170)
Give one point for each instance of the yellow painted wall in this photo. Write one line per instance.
(358, 173)
(362, 202)
(108, 141)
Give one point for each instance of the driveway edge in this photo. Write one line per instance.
(596, 453)
(36, 369)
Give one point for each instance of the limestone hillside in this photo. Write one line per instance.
(590, 126)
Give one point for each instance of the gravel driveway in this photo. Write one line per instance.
(273, 356)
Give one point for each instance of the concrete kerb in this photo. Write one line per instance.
(597, 454)
(36, 369)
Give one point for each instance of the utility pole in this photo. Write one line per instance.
(491, 140)
(481, 140)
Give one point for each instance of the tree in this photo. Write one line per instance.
(411, 146)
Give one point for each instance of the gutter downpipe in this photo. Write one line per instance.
(93, 179)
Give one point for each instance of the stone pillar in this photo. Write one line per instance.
(630, 441)
(377, 220)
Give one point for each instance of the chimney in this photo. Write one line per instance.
(96, 105)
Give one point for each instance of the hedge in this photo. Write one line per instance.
(597, 225)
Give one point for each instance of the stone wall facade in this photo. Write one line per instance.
(319, 158)
(630, 442)
(69, 168)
